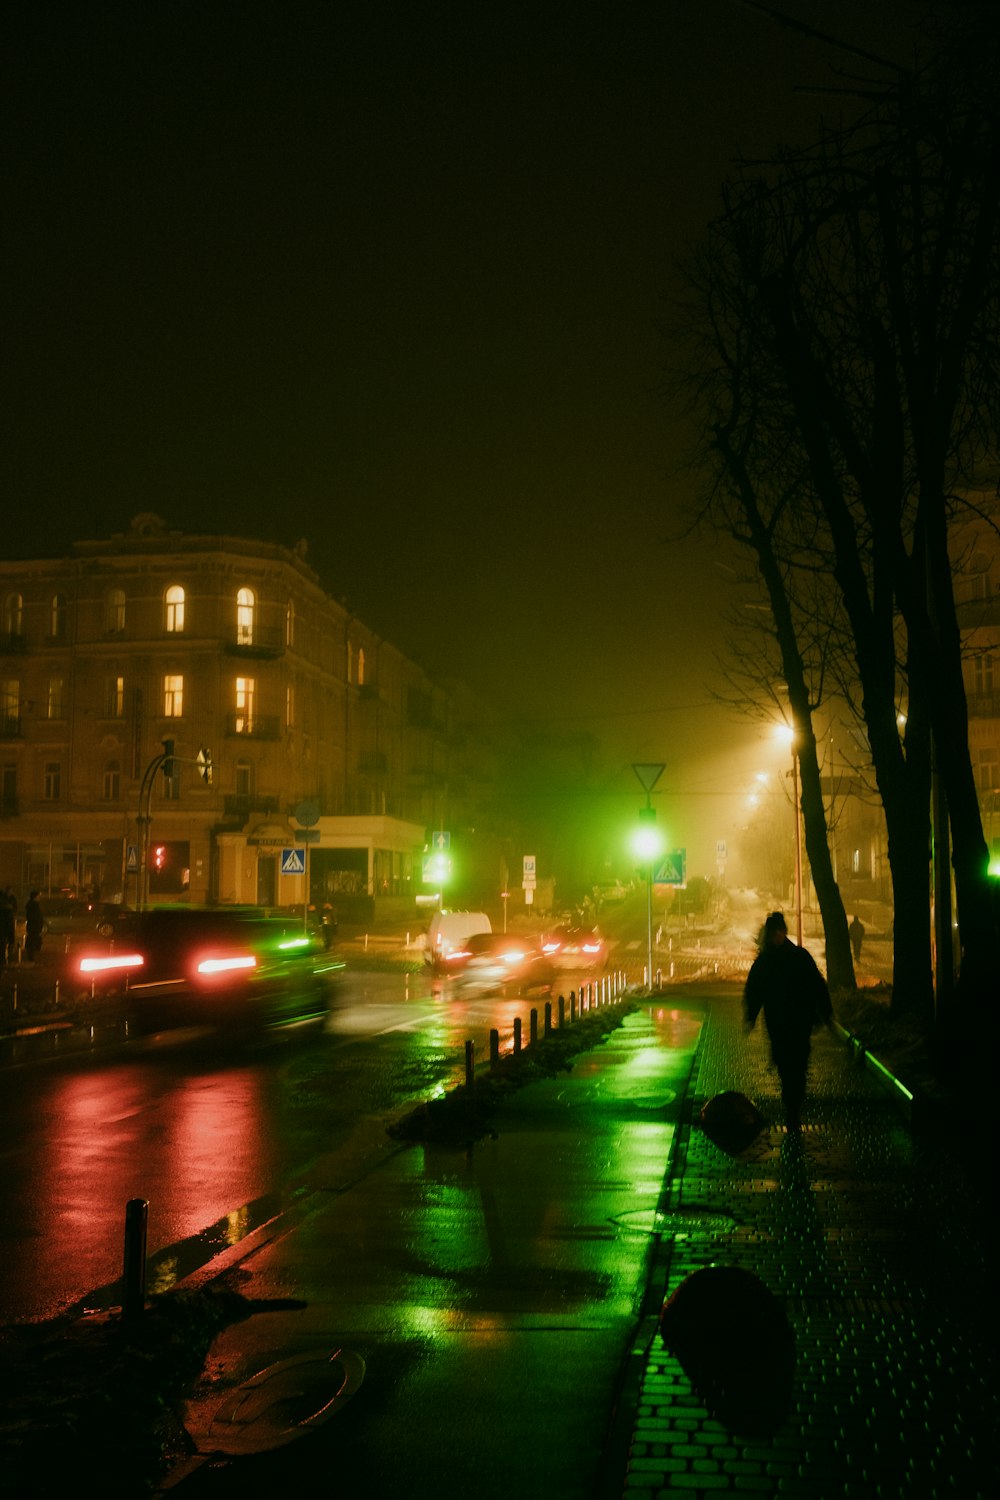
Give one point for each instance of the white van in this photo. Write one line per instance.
(448, 931)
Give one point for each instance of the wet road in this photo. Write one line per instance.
(216, 1138)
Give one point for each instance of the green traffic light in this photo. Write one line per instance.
(647, 841)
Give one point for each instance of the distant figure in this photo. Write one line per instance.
(34, 922)
(856, 932)
(8, 931)
(328, 925)
(785, 983)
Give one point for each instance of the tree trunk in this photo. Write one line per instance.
(839, 959)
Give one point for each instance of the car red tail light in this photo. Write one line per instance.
(104, 963)
(225, 964)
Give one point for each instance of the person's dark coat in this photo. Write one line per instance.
(34, 921)
(785, 983)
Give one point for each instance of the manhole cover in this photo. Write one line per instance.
(284, 1402)
(652, 1222)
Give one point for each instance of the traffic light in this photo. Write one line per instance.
(168, 758)
(647, 842)
(158, 858)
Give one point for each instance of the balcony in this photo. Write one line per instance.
(253, 726)
(267, 644)
(10, 727)
(236, 806)
(374, 763)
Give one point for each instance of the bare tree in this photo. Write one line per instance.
(843, 363)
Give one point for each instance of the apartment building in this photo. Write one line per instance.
(194, 717)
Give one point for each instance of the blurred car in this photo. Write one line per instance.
(575, 948)
(229, 968)
(447, 938)
(491, 960)
(72, 915)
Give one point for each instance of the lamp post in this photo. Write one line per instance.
(798, 845)
(788, 733)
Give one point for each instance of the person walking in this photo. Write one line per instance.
(34, 923)
(8, 928)
(856, 933)
(785, 983)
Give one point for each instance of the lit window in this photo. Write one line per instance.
(289, 706)
(111, 784)
(114, 606)
(57, 616)
(114, 698)
(290, 623)
(246, 606)
(54, 698)
(988, 768)
(173, 609)
(361, 666)
(246, 691)
(10, 707)
(13, 614)
(173, 696)
(983, 669)
(51, 781)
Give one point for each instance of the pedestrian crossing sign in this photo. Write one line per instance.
(293, 862)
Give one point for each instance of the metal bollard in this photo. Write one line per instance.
(470, 1071)
(562, 1011)
(533, 1027)
(494, 1049)
(548, 1018)
(134, 1296)
(517, 1035)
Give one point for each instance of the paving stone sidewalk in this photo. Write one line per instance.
(870, 1237)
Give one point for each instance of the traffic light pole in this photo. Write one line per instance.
(166, 760)
(145, 795)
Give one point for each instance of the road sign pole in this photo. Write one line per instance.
(649, 924)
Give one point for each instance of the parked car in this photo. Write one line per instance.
(492, 960)
(575, 948)
(229, 968)
(72, 914)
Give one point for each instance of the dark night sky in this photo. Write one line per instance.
(389, 276)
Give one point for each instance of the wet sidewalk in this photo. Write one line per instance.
(484, 1321)
(464, 1313)
(867, 1232)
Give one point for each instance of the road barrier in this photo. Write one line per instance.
(595, 994)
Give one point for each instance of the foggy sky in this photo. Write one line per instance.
(392, 277)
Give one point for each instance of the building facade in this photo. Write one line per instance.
(194, 717)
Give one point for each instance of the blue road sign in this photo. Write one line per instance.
(293, 862)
